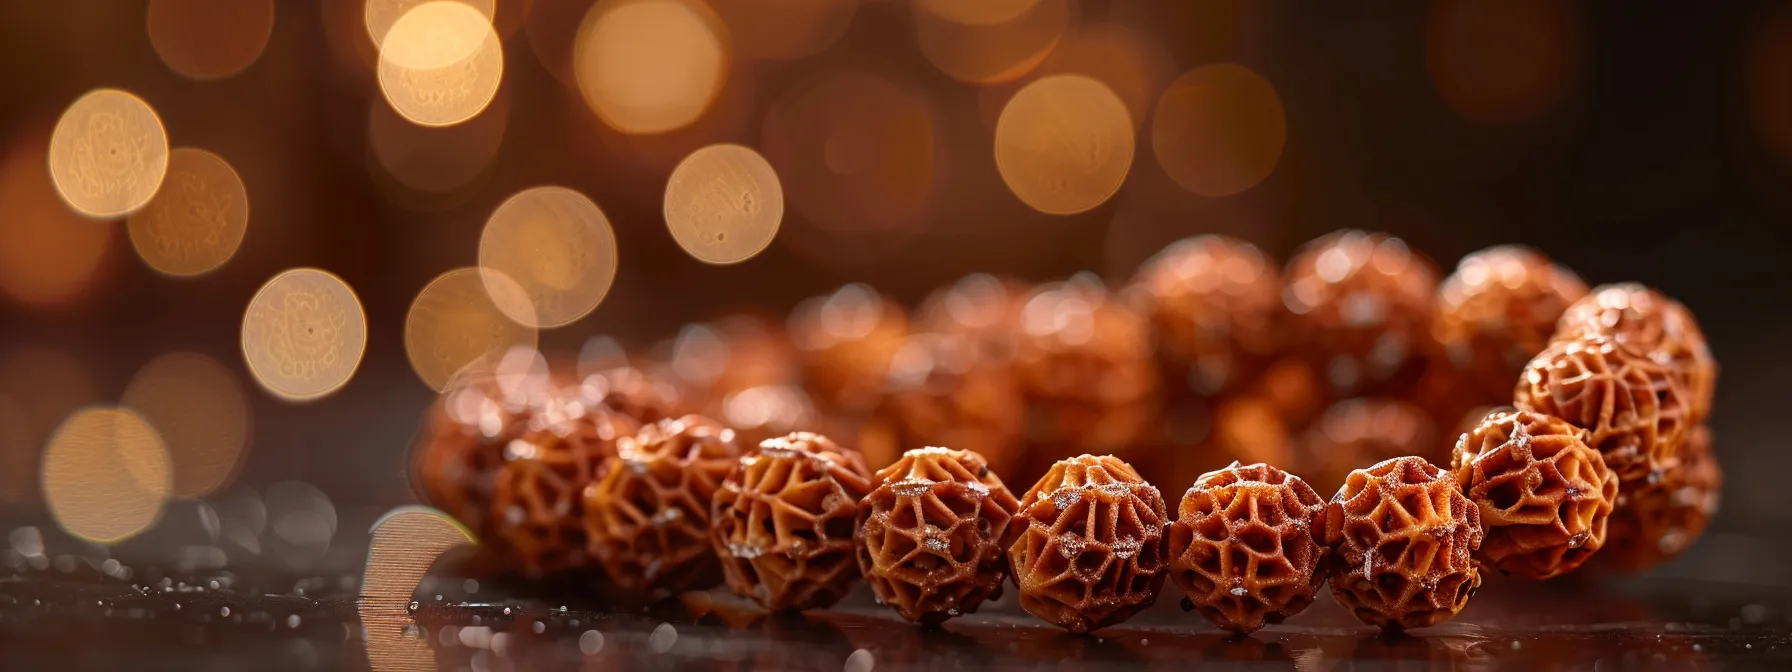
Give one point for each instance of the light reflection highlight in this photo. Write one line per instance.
(106, 474)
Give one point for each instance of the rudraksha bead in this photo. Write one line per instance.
(767, 412)
(1497, 311)
(943, 393)
(1249, 428)
(1244, 546)
(734, 353)
(1644, 322)
(1215, 305)
(845, 341)
(1402, 537)
(933, 532)
(461, 445)
(647, 512)
(1084, 359)
(1634, 407)
(1544, 495)
(538, 496)
(979, 306)
(1356, 433)
(782, 522)
(1294, 388)
(631, 392)
(1655, 520)
(1091, 548)
(1361, 306)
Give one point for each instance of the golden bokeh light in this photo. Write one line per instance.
(724, 204)
(453, 324)
(201, 413)
(1064, 144)
(1770, 85)
(437, 159)
(1219, 129)
(785, 29)
(1502, 61)
(108, 153)
(303, 334)
(210, 39)
(49, 256)
(39, 387)
(197, 220)
(106, 474)
(557, 247)
(441, 63)
(650, 66)
(854, 151)
(1129, 61)
(985, 51)
(405, 543)
(381, 15)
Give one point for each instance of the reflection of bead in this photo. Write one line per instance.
(1362, 310)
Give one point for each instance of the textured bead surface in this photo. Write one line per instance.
(782, 522)
(1361, 305)
(1355, 433)
(1497, 311)
(647, 512)
(461, 447)
(1091, 547)
(1402, 537)
(1656, 520)
(538, 496)
(933, 534)
(1215, 307)
(1544, 495)
(1244, 546)
(1644, 322)
(1634, 408)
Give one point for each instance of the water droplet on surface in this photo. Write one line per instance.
(861, 660)
(1065, 497)
(590, 642)
(663, 638)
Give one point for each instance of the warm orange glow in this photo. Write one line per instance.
(453, 324)
(1219, 129)
(201, 413)
(557, 247)
(854, 151)
(985, 51)
(441, 63)
(437, 159)
(196, 221)
(1064, 144)
(1502, 61)
(108, 153)
(39, 387)
(785, 29)
(979, 13)
(1770, 85)
(106, 475)
(380, 15)
(303, 334)
(210, 39)
(650, 66)
(724, 204)
(49, 256)
(1131, 63)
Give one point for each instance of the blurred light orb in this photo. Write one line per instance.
(210, 39)
(108, 153)
(724, 204)
(201, 413)
(453, 324)
(1502, 61)
(106, 474)
(441, 63)
(304, 334)
(437, 159)
(650, 66)
(557, 247)
(197, 220)
(854, 151)
(1064, 144)
(1219, 129)
(1770, 85)
(49, 255)
(381, 15)
(39, 388)
(405, 543)
(989, 42)
(785, 29)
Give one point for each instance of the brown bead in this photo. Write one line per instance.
(943, 393)
(647, 512)
(1635, 408)
(1646, 323)
(1402, 537)
(933, 532)
(1356, 433)
(782, 522)
(734, 353)
(1657, 519)
(767, 412)
(1215, 305)
(1296, 391)
(1244, 549)
(845, 341)
(1497, 311)
(1091, 548)
(978, 306)
(537, 509)
(631, 392)
(1361, 305)
(1084, 359)
(1248, 428)
(1544, 495)
(461, 445)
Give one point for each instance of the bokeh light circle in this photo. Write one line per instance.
(39, 388)
(210, 39)
(453, 324)
(197, 220)
(1219, 129)
(1064, 144)
(989, 42)
(650, 66)
(201, 413)
(304, 334)
(106, 474)
(108, 153)
(49, 255)
(724, 204)
(437, 159)
(1502, 61)
(554, 244)
(379, 16)
(441, 63)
